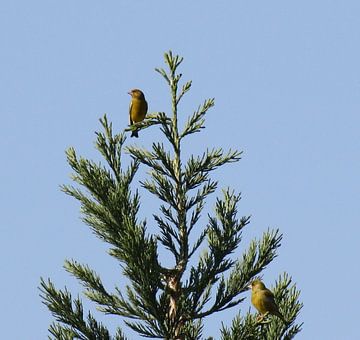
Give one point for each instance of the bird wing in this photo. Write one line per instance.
(269, 301)
(269, 295)
(130, 107)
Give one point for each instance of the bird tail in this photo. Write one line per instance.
(134, 134)
(279, 315)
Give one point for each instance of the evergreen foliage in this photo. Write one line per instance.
(160, 302)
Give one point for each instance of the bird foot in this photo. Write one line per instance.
(262, 318)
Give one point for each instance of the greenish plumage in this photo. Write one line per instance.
(263, 300)
(138, 108)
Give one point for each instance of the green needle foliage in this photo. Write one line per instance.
(161, 302)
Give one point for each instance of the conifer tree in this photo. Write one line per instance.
(206, 278)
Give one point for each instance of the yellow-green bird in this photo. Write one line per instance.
(263, 300)
(138, 108)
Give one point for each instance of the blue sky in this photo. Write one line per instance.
(286, 79)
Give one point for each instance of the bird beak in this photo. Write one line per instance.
(249, 286)
(129, 93)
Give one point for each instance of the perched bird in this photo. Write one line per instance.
(138, 108)
(263, 300)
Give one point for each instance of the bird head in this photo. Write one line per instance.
(256, 285)
(136, 93)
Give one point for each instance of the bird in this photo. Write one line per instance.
(263, 300)
(138, 108)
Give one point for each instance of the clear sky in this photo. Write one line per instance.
(286, 79)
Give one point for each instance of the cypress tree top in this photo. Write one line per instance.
(162, 302)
